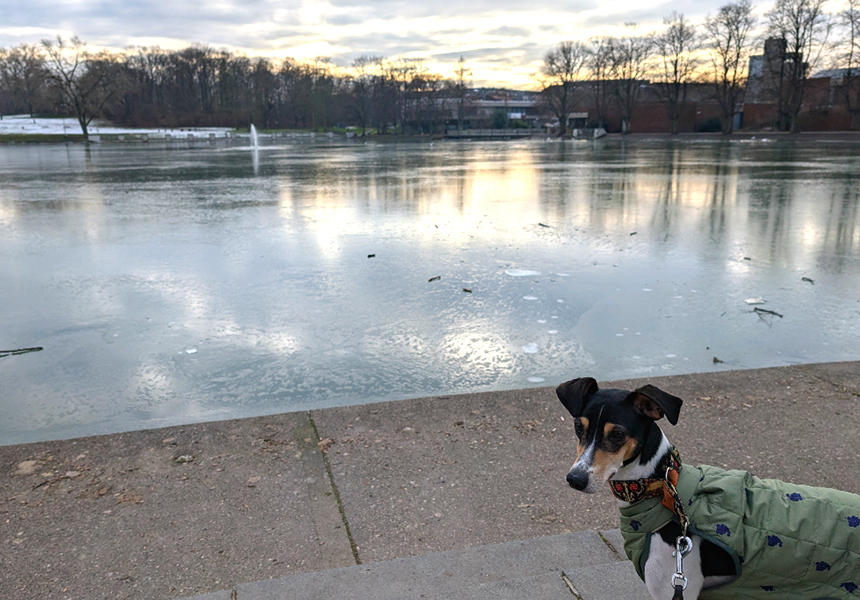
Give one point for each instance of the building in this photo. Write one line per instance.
(828, 100)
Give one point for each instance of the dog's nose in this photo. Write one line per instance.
(577, 479)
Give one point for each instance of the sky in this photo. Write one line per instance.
(503, 42)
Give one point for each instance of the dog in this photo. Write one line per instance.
(750, 537)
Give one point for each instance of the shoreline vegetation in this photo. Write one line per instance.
(187, 136)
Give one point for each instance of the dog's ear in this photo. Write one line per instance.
(574, 394)
(654, 403)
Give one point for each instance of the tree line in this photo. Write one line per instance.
(201, 86)
(608, 72)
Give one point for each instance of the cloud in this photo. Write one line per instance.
(510, 31)
(506, 36)
(477, 53)
(388, 45)
(345, 20)
(494, 53)
(454, 9)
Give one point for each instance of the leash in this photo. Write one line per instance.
(683, 544)
(664, 488)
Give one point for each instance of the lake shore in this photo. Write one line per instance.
(187, 134)
(200, 508)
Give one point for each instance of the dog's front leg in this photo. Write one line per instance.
(660, 567)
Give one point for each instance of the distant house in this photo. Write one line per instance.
(492, 107)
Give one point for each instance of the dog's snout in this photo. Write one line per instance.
(577, 479)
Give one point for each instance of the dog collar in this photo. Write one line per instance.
(634, 490)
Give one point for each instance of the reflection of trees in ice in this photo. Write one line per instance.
(127, 260)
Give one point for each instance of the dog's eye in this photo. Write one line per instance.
(617, 434)
(615, 439)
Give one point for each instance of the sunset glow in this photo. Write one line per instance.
(502, 42)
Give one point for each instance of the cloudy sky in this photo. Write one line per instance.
(502, 41)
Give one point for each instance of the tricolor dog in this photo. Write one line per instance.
(703, 532)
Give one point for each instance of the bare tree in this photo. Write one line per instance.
(400, 74)
(599, 65)
(426, 100)
(23, 75)
(562, 67)
(803, 28)
(629, 64)
(365, 69)
(675, 46)
(727, 41)
(850, 20)
(86, 82)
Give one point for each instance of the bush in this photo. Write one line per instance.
(500, 118)
(710, 125)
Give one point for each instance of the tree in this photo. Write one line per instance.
(23, 76)
(365, 70)
(728, 43)
(599, 64)
(400, 75)
(629, 64)
(85, 81)
(562, 68)
(323, 88)
(675, 46)
(850, 20)
(426, 102)
(263, 89)
(802, 28)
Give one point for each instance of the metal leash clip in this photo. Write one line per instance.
(683, 545)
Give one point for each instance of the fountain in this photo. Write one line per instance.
(254, 141)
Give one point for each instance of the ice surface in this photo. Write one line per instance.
(181, 247)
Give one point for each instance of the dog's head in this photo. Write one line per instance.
(614, 427)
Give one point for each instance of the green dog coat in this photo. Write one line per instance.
(787, 541)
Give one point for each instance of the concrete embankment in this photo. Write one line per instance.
(465, 483)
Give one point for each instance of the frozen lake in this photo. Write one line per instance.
(197, 281)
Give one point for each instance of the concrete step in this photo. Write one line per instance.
(512, 570)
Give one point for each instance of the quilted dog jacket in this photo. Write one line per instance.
(787, 541)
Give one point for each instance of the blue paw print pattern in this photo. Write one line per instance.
(723, 529)
(822, 566)
(853, 521)
(794, 497)
(767, 588)
(635, 525)
(849, 586)
(773, 540)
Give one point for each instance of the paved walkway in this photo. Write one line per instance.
(406, 489)
(584, 566)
